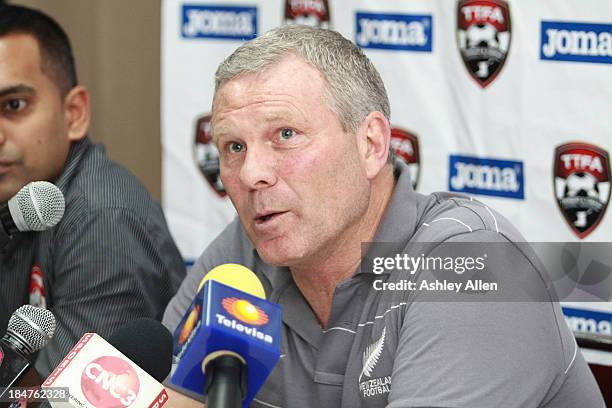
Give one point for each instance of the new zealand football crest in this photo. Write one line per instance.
(207, 155)
(314, 13)
(483, 35)
(371, 384)
(406, 147)
(582, 185)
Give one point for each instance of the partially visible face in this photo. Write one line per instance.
(33, 131)
(295, 177)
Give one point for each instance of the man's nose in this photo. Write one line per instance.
(259, 168)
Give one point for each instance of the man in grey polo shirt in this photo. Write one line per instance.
(301, 120)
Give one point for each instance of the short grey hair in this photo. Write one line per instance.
(355, 87)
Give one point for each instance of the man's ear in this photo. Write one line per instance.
(378, 136)
(77, 113)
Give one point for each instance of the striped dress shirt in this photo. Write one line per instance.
(109, 260)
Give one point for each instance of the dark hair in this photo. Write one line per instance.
(57, 61)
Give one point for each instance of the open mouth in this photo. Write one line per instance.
(268, 217)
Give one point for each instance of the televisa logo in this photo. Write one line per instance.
(219, 22)
(394, 31)
(576, 42)
(241, 328)
(245, 311)
(476, 175)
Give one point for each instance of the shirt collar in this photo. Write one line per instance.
(398, 223)
(76, 153)
(395, 229)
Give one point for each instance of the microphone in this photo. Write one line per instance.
(38, 206)
(29, 329)
(148, 343)
(228, 340)
(97, 374)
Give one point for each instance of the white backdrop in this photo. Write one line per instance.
(493, 136)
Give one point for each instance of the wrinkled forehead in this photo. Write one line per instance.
(291, 80)
(291, 74)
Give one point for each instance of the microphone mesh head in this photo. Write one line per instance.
(40, 205)
(32, 325)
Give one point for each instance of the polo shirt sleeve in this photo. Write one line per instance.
(184, 296)
(489, 354)
(226, 248)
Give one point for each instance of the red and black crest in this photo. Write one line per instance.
(314, 13)
(405, 145)
(582, 185)
(483, 36)
(37, 287)
(207, 155)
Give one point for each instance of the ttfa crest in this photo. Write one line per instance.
(314, 13)
(582, 185)
(483, 36)
(405, 146)
(207, 155)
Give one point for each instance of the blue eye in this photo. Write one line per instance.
(287, 133)
(236, 147)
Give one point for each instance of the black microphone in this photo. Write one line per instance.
(148, 344)
(38, 206)
(29, 329)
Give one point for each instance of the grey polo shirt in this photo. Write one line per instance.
(386, 348)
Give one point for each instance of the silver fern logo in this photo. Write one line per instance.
(379, 386)
(371, 355)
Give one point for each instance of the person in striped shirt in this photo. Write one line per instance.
(111, 258)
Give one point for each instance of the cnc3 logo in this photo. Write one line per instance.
(245, 311)
(109, 382)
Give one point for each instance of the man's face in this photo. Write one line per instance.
(295, 177)
(33, 131)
